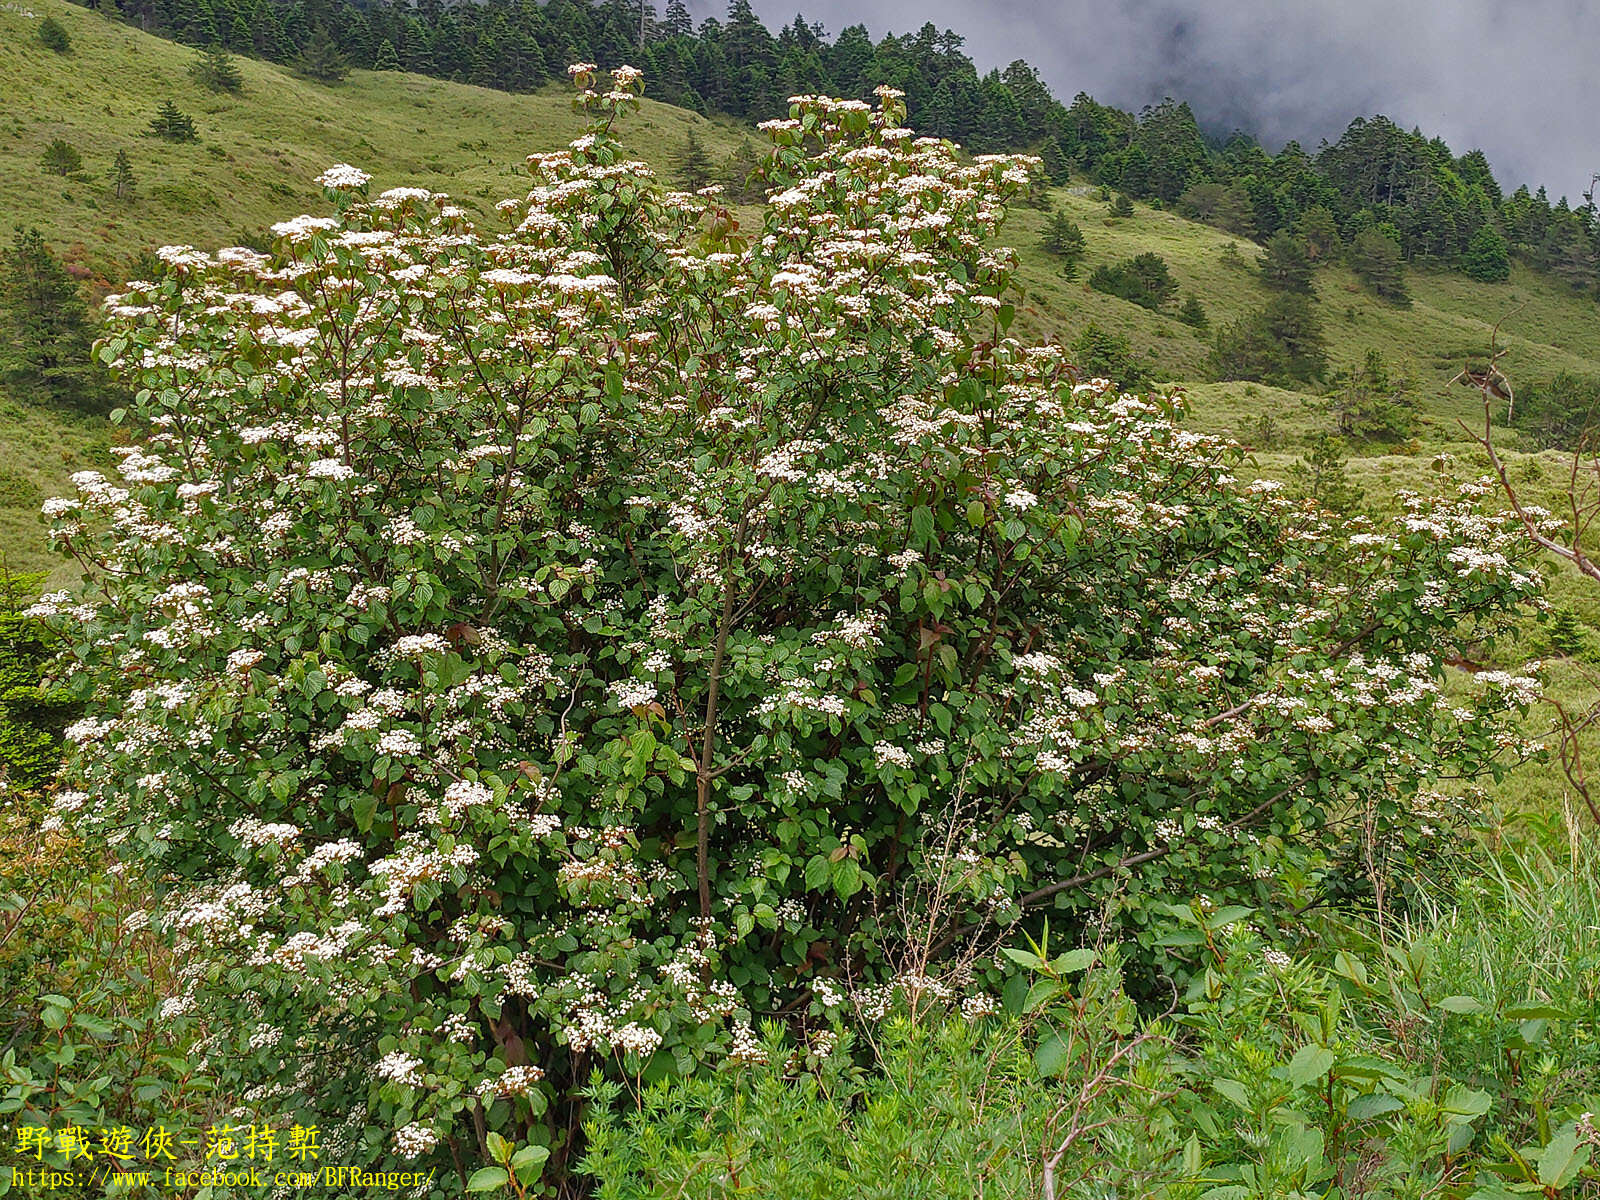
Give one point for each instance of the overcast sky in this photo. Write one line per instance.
(1519, 80)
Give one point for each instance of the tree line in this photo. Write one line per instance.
(1438, 206)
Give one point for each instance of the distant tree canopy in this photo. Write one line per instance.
(1375, 173)
(1143, 279)
(1282, 343)
(45, 331)
(1376, 259)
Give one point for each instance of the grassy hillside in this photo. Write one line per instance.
(258, 153)
(255, 162)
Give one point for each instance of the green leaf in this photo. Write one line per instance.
(1378, 1104)
(817, 872)
(499, 1148)
(1536, 1012)
(528, 1161)
(1462, 1004)
(1463, 1103)
(1563, 1158)
(1073, 961)
(364, 808)
(1234, 1092)
(1310, 1062)
(1051, 1056)
(486, 1179)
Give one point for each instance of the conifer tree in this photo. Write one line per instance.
(1376, 260)
(172, 124)
(122, 177)
(1285, 265)
(1100, 354)
(60, 158)
(388, 57)
(739, 175)
(1488, 257)
(1056, 164)
(321, 60)
(54, 37)
(1064, 239)
(217, 71)
(1321, 476)
(1121, 206)
(45, 333)
(1319, 233)
(694, 165)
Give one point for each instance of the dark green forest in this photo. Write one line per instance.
(1436, 206)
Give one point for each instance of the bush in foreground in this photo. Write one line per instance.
(519, 654)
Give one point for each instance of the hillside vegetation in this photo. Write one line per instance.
(637, 706)
(258, 153)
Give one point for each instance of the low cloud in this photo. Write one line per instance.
(1519, 81)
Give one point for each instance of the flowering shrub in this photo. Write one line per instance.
(516, 652)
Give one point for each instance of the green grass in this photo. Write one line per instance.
(258, 152)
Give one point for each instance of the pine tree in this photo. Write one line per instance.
(320, 59)
(217, 71)
(54, 37)
(1122, 206)
(1321, 476)
(122, 178)
(694, 165)
(1285, 265)
(1488, 257)
(1064, 239)
(388, 57)
(1373, 406)
(1056, 164)
(1193, 313)
(1319, 233)
(739, 174)
(1375, 258)
(45, 333)
(60, 158)
(676, 22)
(172, 124)
(1100, 354)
